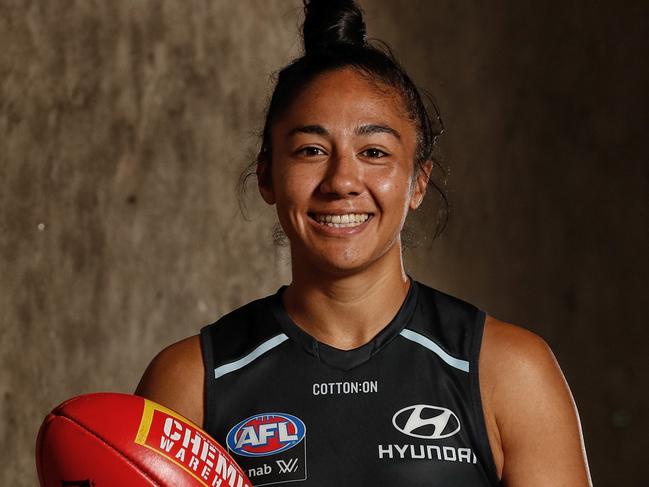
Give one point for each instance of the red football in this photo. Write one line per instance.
(119, 439)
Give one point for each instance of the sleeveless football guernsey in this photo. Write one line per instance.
(403, 409)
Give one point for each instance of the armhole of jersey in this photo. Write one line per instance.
(208, 364)
(478, 411)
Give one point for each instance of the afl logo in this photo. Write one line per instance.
(266, 434)
(428, 422)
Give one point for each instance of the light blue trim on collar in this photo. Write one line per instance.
(436, 349)
(254, 355)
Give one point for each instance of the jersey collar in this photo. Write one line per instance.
(335, 357)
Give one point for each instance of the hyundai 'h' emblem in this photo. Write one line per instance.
(428, 422)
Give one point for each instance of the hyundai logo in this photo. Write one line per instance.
(428, 422)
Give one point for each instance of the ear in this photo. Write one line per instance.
(420, 184)
(264, 180)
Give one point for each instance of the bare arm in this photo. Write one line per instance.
(532, 419)
(174, 378)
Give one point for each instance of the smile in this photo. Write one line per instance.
(341, 221)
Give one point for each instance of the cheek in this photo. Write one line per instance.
(393, 191)
(293, 186)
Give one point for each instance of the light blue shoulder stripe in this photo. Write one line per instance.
(254, 355)
(436, 349)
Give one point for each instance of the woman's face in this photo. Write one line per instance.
(342, 172)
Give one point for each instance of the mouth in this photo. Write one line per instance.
(347, 220)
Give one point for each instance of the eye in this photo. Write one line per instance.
(374, 153)
(311, 151)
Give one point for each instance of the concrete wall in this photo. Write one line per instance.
(124, 125)
(547, 107)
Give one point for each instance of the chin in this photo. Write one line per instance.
(341, 259)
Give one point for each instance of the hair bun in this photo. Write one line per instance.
(329, 22)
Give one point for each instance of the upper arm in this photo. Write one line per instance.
(528, 401)
(174, 378)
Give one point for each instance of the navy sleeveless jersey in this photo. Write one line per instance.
(403, 409)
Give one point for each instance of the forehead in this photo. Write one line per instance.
(346, 97)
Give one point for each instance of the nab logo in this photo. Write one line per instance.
(428, 422)
(266, 434)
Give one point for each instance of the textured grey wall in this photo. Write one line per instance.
(124, 123)
(547, 107)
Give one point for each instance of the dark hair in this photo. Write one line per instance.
(335, 37)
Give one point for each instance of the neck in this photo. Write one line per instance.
(347, 310)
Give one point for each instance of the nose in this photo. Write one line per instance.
(343, 176)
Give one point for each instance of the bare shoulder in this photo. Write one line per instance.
(531, 417)
(512, 360)
(174, 378)
(511, 353)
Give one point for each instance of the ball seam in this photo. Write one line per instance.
(112, 447)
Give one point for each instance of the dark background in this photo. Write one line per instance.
(124, 125)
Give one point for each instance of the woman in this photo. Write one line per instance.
(355, 374)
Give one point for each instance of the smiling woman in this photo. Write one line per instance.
(343, 151)
(391, 381)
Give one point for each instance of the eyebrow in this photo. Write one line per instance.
(369, 129)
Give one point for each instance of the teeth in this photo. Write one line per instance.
(342, 221)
